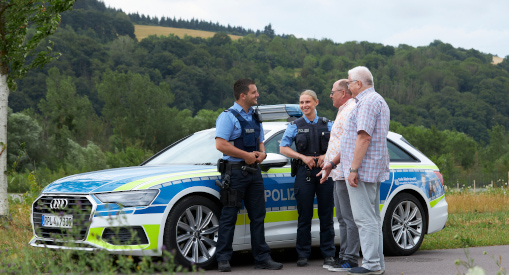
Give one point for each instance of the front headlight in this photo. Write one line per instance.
(129, 198)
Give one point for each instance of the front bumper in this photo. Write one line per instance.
(97, 226)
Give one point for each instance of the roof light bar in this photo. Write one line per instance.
(279, 111)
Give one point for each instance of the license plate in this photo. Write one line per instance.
(64, 221)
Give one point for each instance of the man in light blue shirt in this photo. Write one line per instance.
(239, 136)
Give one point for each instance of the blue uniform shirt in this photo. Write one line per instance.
(228, 126)
(291, 132)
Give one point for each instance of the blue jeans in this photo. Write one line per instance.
(305, 195)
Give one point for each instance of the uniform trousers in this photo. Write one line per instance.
(365, 202)
(254, 201)
(348, 232)
(305, 195)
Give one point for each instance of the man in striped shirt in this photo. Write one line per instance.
(365, 164)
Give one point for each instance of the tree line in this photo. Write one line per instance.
(111, 100)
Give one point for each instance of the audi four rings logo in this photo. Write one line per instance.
(58, 203)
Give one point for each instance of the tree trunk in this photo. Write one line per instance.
(4, 97)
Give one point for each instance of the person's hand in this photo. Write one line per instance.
(309, 161)
(321, 160)
(325, 172)
(353, 179)
(250, 158)
(260, 156)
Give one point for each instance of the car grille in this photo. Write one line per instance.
(77, 206)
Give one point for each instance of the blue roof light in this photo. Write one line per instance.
(293, 110)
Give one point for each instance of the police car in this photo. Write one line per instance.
(171, 202)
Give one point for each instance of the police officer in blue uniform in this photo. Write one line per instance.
(239, 136)
(311, 136)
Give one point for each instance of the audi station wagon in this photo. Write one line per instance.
(171, 201)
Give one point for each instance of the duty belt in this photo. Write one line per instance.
(301, 163)
(241, 165)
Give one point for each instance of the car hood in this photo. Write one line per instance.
(127, 178)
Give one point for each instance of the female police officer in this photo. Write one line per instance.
(311, 135)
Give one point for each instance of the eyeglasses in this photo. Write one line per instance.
(349, 82)
(332, 92)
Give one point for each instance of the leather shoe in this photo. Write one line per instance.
(224, 266)
(269, 264)
(302, 262)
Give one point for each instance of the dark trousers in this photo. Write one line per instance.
(305, 194)
(254, 201)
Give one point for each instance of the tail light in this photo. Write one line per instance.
(440, 177)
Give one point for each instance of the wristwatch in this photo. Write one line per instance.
(354, 170)
(333, 165)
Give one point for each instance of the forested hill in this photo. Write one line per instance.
(435, 86)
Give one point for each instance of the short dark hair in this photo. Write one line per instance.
(241, 86)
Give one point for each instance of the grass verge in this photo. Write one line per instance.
(481, 219)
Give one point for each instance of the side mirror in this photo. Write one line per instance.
(273, 160)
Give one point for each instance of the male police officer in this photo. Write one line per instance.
(239, 136)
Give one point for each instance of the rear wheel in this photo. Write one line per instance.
(404, 225)
(191, 231)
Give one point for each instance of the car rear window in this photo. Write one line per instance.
(398, 154)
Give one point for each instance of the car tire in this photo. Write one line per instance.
(404, 225)
(191, 232)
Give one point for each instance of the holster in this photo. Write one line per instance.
(232, 197)
(229, 197)
(221, 166)
(295, 163)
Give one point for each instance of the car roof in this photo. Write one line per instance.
(273, 127)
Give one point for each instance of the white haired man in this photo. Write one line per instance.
(365, 164)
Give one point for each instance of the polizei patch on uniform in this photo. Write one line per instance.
(250, 131)
(303, 130)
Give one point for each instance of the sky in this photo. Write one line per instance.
(468, 24)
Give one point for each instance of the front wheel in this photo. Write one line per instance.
(192, 230)
(404, 226)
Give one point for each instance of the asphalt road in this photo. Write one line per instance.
(422, 262)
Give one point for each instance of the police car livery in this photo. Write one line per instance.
(171, 202)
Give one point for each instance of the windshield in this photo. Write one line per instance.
(197, 149)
